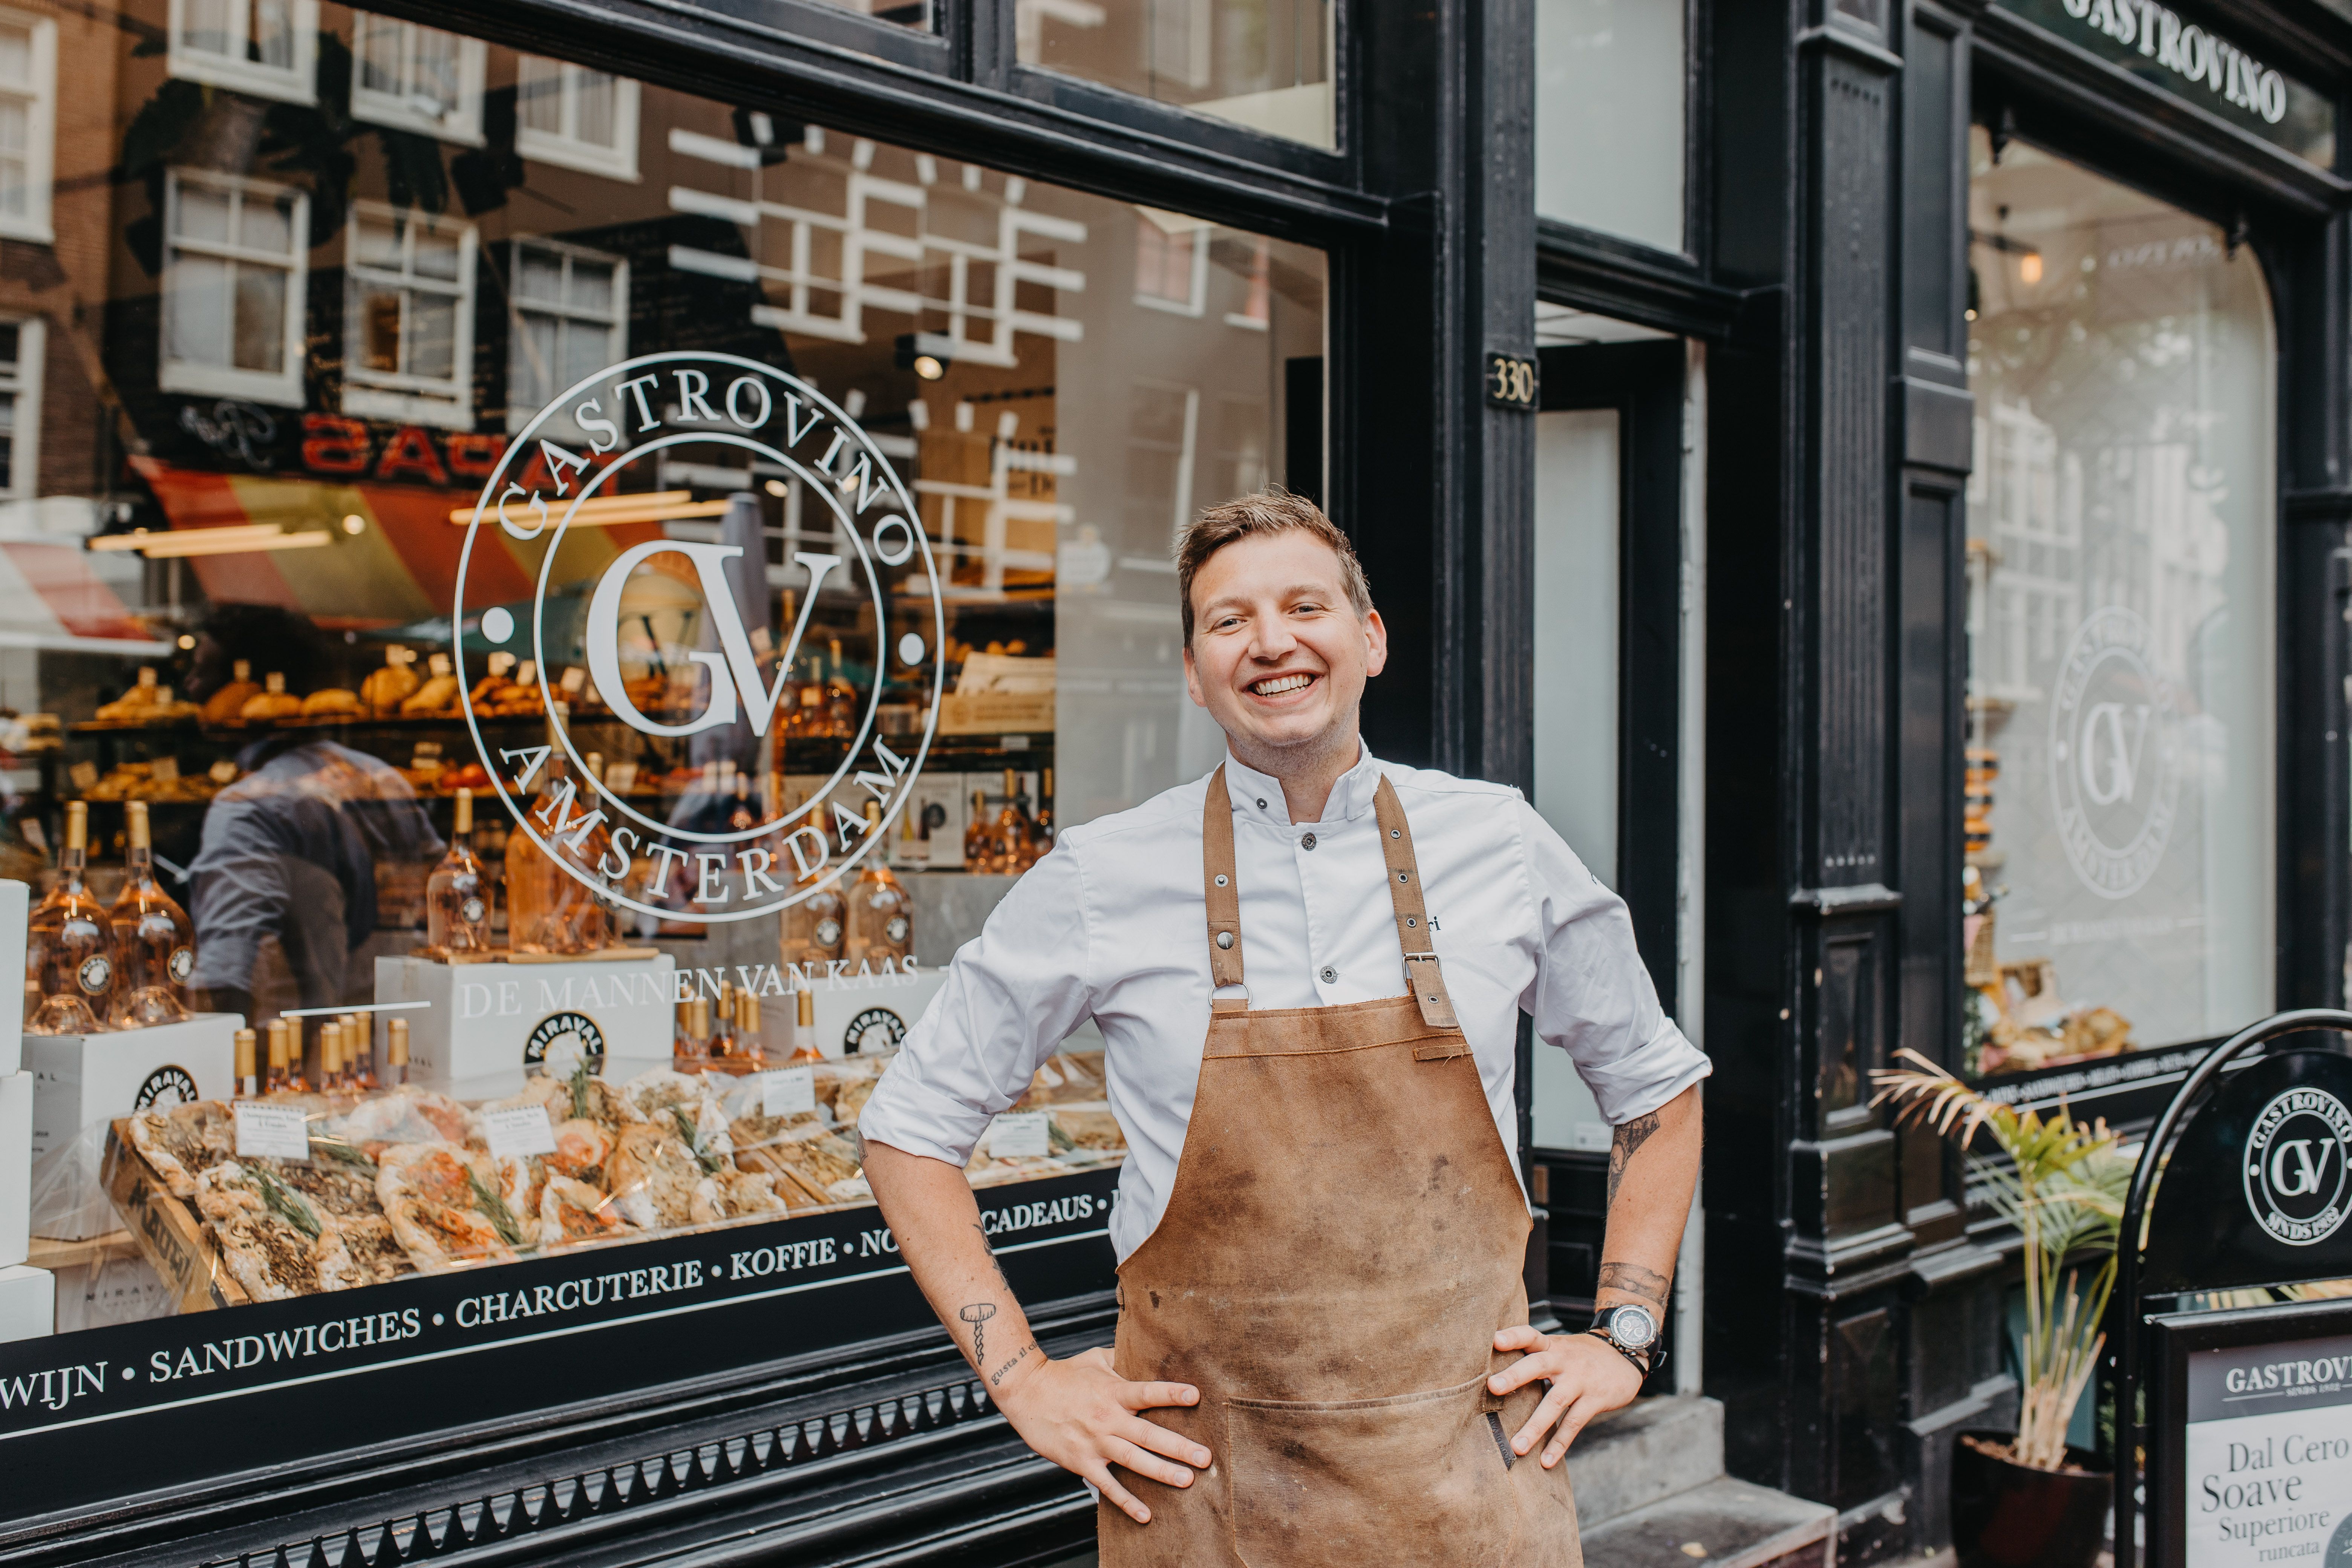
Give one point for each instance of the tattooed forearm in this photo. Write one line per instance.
(977, 1315)
(1016, 1359)
(1630, 1136)
(1633, 1279)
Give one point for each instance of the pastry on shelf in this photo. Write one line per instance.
(334, 702)
(145, 703)
(436, 696)
(227, 706)
(385, 690)
(274, 700)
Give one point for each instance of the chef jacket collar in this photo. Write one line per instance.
(1258, 797)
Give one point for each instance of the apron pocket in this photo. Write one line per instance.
(1415, 1479)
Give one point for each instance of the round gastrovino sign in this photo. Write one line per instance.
(659, 616)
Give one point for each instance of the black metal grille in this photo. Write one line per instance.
(439, 1532)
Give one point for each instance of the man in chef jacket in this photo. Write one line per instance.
(1280, 638)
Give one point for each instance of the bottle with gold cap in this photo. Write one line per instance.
(359, 1052)
(1013, 847)
(881, 915)
(751, 1053)
(721, 1045)
(149, 939)
(458, 893)
(978, 843)
(804, 1046)
(395, 1051)
(248, 1085)
(68, 972)
(691, 1050)
(330, 1057)
(285, 1075)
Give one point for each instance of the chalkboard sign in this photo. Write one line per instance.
(2248, 1419)
(2256, 1462)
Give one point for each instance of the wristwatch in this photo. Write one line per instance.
(1632, 1331)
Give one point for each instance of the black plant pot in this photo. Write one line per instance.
(2007, 1515)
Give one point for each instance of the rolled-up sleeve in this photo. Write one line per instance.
(1592, 995)
(1010, 996)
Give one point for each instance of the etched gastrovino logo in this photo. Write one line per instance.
(2297, 1186)
(2115, 775)
(628, 416)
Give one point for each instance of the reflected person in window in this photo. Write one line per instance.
(1312, 1055)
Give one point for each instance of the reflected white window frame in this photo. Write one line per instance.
(282, 387)
(445, 402)
(294, 83)
(22, 379)
(615, 324)
(1688, 98)
(39, 96)
(563, 147)
(980, 329)
(1196, 235)
(410, 111)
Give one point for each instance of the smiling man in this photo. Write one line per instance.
(1323, 1351)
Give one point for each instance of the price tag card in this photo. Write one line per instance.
(518, 1131)
(223, 772)
(788, 1092)
(271, 1132)
(83, 775)
(1016, 1133)
(165, 770)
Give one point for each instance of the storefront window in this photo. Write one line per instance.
(2120, 816)
(1609, 117)
(1265, 64)
(563, 622)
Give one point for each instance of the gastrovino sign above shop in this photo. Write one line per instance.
(2195, 62)
(669, 622)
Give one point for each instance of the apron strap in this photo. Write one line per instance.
(1422, 977)
(1222, 889)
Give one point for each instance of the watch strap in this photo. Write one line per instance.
(1646, 1361)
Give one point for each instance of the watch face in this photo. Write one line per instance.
(1632, 1327)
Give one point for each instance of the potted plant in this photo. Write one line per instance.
(2028, 1498)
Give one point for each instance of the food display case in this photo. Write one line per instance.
(553, 608)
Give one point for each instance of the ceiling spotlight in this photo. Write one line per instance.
(777, 488)
(2028, 266)
(186, 641)
(354, 525)
(928, 354)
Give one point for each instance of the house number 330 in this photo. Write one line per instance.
(1511, 382)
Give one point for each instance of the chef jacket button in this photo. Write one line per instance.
(1307, 842)
(1261, 802)
(1329, 974)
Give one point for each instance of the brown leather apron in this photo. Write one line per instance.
(1344, 1238)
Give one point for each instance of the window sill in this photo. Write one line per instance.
(391, 115)
(221, 380)
(286, 87)
(564, 155)
(406, 407)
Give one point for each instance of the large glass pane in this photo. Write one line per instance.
(1610, 118)
(2119, 818)
(962, 612)
(1265, 64)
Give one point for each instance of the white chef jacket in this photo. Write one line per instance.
(1111, 926)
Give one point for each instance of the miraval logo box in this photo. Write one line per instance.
(689, 618)
(600, 1321)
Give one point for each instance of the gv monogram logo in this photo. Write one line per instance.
(2114, 773)
(704, 412)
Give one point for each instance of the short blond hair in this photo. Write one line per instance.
(1271, 511)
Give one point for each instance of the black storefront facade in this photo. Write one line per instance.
(1793, 356)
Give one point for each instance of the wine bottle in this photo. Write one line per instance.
(804, 1046)
(458, 893)
(149, 939)
(247, 1086)
(881, 915)
(68, 975)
